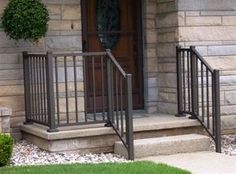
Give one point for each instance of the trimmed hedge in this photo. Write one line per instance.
(6, 147)
(25, 19)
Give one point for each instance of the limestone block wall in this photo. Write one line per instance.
(167, 26)
(64, 35)
(211, 26)
(150, 55)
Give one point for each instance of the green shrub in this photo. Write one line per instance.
(25, 19)
(6, 146)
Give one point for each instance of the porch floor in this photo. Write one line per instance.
(142, 122)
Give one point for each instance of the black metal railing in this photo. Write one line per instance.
(199, 91)
(79, 89)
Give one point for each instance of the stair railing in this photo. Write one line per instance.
(198, 90)
(52, 78)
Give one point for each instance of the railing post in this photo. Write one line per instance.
(216, 98)
(194, 86)
(50, 93)
(179, 82)
(109, 92)
(26, 67)
(129, 117)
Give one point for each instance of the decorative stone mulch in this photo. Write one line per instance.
(25, 153)
(228, 145)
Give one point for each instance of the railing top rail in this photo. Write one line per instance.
(193, 49)
(86, 54)
(202, 59)
(116, 63)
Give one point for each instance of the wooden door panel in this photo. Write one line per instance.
(127, 50)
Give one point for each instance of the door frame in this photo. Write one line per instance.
(140, 48)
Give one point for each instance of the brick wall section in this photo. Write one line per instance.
(64, 35)
(211, 26)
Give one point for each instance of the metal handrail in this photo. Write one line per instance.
(198, 91)
(42, 94)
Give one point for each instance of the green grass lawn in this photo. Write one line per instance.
(114, 168)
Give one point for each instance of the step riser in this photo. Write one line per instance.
(99, 143)
(167, 147)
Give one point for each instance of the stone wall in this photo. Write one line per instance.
(64, 35)
(211, 26)
(150, 55)
(167, 26)
(5, 114)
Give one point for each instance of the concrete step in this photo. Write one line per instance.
(166, 145)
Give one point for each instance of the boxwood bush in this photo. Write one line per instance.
(25, 19)
(6, 146)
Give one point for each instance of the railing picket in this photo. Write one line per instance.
(207, 98)
(76, 89)
(117, 100)
(202, 91)
(85, 89)
(66, 90)
(57, 90)
(103, 90)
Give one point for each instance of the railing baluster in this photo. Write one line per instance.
(117, 100)
(121, 107)
(76, 89)
(94, 90)
(66, 90)
(188, 76)
(103, 90)
(57, 90)
(109, 93)
(207, 98)
(44, 90)
(85, 88)
(41, 87)
(202, 91)
(184, 80)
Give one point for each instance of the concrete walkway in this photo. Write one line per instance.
(199, 162)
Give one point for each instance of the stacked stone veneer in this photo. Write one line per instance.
(211, 26)
(208, 24)
(64, 35)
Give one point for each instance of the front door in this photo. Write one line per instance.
(124, 38)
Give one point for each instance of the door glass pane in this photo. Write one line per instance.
(108, 22)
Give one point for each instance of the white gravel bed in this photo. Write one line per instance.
(25, 153)
(228, 145)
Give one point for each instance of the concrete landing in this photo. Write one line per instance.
(166, 145)
(97, 138)
(199, 162)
